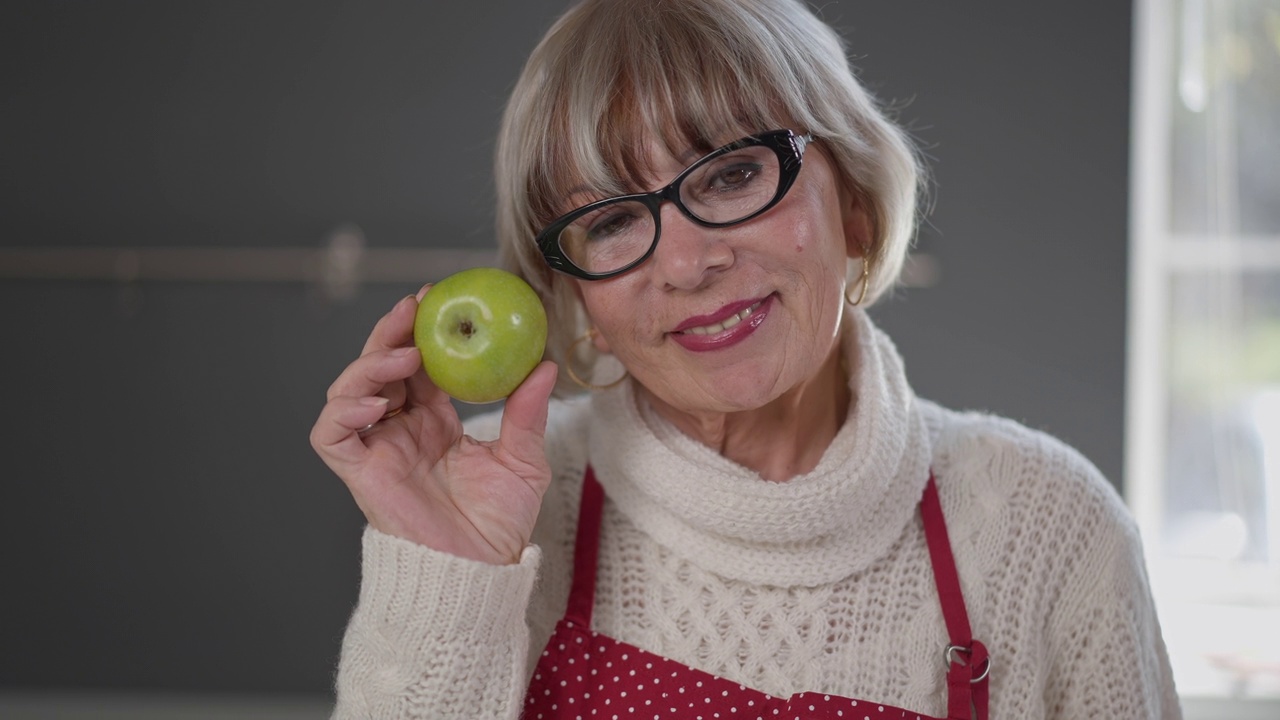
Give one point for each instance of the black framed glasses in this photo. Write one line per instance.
(729, 185)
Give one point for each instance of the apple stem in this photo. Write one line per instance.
(467, 328)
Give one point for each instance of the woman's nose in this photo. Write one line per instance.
(688, 254)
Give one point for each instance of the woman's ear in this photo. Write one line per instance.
(857, 224)
(597, 340)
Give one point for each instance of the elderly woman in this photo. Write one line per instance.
(750, 514)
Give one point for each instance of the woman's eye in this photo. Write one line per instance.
(610, 225)
(733, 176)
(730, 178)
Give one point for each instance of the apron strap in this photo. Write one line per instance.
(968, 663)
(586, 550)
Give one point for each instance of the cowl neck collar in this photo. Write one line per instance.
(814, 529)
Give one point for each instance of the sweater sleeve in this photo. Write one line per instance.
(1110, 660)
(435, 636)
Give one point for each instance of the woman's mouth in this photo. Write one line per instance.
(727, 326)
(727, 323)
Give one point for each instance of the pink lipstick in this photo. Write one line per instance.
(727, 326)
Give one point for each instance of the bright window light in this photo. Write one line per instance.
(1203, 426)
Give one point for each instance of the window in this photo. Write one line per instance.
(1203, 432)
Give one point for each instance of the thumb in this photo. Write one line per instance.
(524, 417)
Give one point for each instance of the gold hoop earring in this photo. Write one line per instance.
(568, 365)
(865, 280)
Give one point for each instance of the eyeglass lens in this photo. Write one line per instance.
(721, 189)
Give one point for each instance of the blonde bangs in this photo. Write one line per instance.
(683, 84)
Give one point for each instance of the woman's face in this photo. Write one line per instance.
(731, 319)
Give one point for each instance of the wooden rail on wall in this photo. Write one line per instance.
(338, 267)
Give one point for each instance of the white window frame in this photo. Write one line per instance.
(1156, 256)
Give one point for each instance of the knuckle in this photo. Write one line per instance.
(314, 438)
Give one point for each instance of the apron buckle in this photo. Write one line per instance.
(952, 655)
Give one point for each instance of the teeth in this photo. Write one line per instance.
(729, 322)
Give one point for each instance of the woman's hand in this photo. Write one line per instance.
(414, 474)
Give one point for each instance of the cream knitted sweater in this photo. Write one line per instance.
(822, 583)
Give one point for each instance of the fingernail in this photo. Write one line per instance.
(373, 400)
(403, 352)
(422, 292)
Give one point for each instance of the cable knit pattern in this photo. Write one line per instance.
(812, 530)
(438, 617)
(822, 583)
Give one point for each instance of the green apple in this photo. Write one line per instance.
(481, 332)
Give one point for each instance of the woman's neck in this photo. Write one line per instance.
(782, 439)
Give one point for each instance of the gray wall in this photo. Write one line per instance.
(165, 525)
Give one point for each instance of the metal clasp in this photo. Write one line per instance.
(949, 658)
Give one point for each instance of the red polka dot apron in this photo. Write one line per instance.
(584, 675)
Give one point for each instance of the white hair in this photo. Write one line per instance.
(611, 73)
